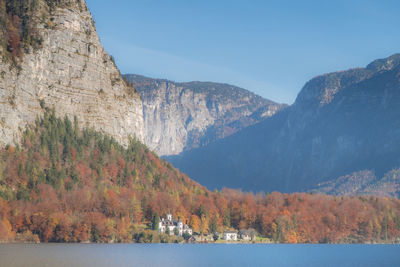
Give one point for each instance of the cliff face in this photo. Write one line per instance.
(182, 116)
(70, 71)
(341, 123)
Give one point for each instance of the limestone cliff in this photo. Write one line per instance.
(69, 70)
(182, 116)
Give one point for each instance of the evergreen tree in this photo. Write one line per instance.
(156, 221)
(213, 224)
(176, 231)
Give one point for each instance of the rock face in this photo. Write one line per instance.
(72, 72)
(182, 116)
(340, 123)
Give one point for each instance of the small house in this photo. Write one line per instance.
(246, 235)
(230, 236)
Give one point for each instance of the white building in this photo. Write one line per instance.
(230, 236)
(171, 224)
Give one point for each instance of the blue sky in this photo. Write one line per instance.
(269, 47)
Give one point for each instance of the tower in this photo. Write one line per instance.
(169, 217)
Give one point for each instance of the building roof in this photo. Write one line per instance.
(230, 232)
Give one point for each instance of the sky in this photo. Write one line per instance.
(271, 48)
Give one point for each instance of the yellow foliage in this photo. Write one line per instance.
(195, 223)
(292, 237)
(6, 232)
(203, 224)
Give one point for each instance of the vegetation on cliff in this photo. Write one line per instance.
(18, 32)
(63, 184)
(18, 23)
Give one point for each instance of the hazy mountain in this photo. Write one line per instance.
(340, 123)
(182, 116)
(363, 183)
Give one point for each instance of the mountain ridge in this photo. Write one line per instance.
(180, 116)
(326, 133)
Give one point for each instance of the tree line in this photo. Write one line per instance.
(67, 183)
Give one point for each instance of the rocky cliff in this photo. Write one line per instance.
(68, 69)
(182, 116)
(340, 123)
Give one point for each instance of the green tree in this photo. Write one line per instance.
(213, 224)
(186, 236)
(176, 231)
(155, 222)
(227, 219)
(215, 236)
(201, 211)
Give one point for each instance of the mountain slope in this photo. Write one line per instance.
(52, 56)
(340, 123)
(62, 184)
(182, 116)
(363, 183)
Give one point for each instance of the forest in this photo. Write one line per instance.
(67, 183)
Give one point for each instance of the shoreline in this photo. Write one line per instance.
(189, 243)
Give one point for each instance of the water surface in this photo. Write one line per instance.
(198, 255)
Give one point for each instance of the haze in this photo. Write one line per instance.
(269, 47)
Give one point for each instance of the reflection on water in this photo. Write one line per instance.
(197, 255)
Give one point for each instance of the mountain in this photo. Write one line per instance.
(363, 183)
(51, 56)
(340, 123)
(71, 169)
(182, 116)
(66, 183)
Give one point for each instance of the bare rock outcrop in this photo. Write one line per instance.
(182, 116)
(71, 72)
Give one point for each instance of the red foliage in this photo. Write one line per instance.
(14, 42)
(107, 197)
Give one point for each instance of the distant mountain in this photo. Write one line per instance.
(340, 123)
(363, 183)
(182, 116)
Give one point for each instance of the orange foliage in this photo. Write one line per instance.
(195, 223)
(102, 194)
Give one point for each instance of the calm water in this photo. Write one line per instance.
(198, 255)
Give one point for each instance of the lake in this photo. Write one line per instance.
(198, 255)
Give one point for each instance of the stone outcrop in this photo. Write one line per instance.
(71, 72)
(182, 116)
